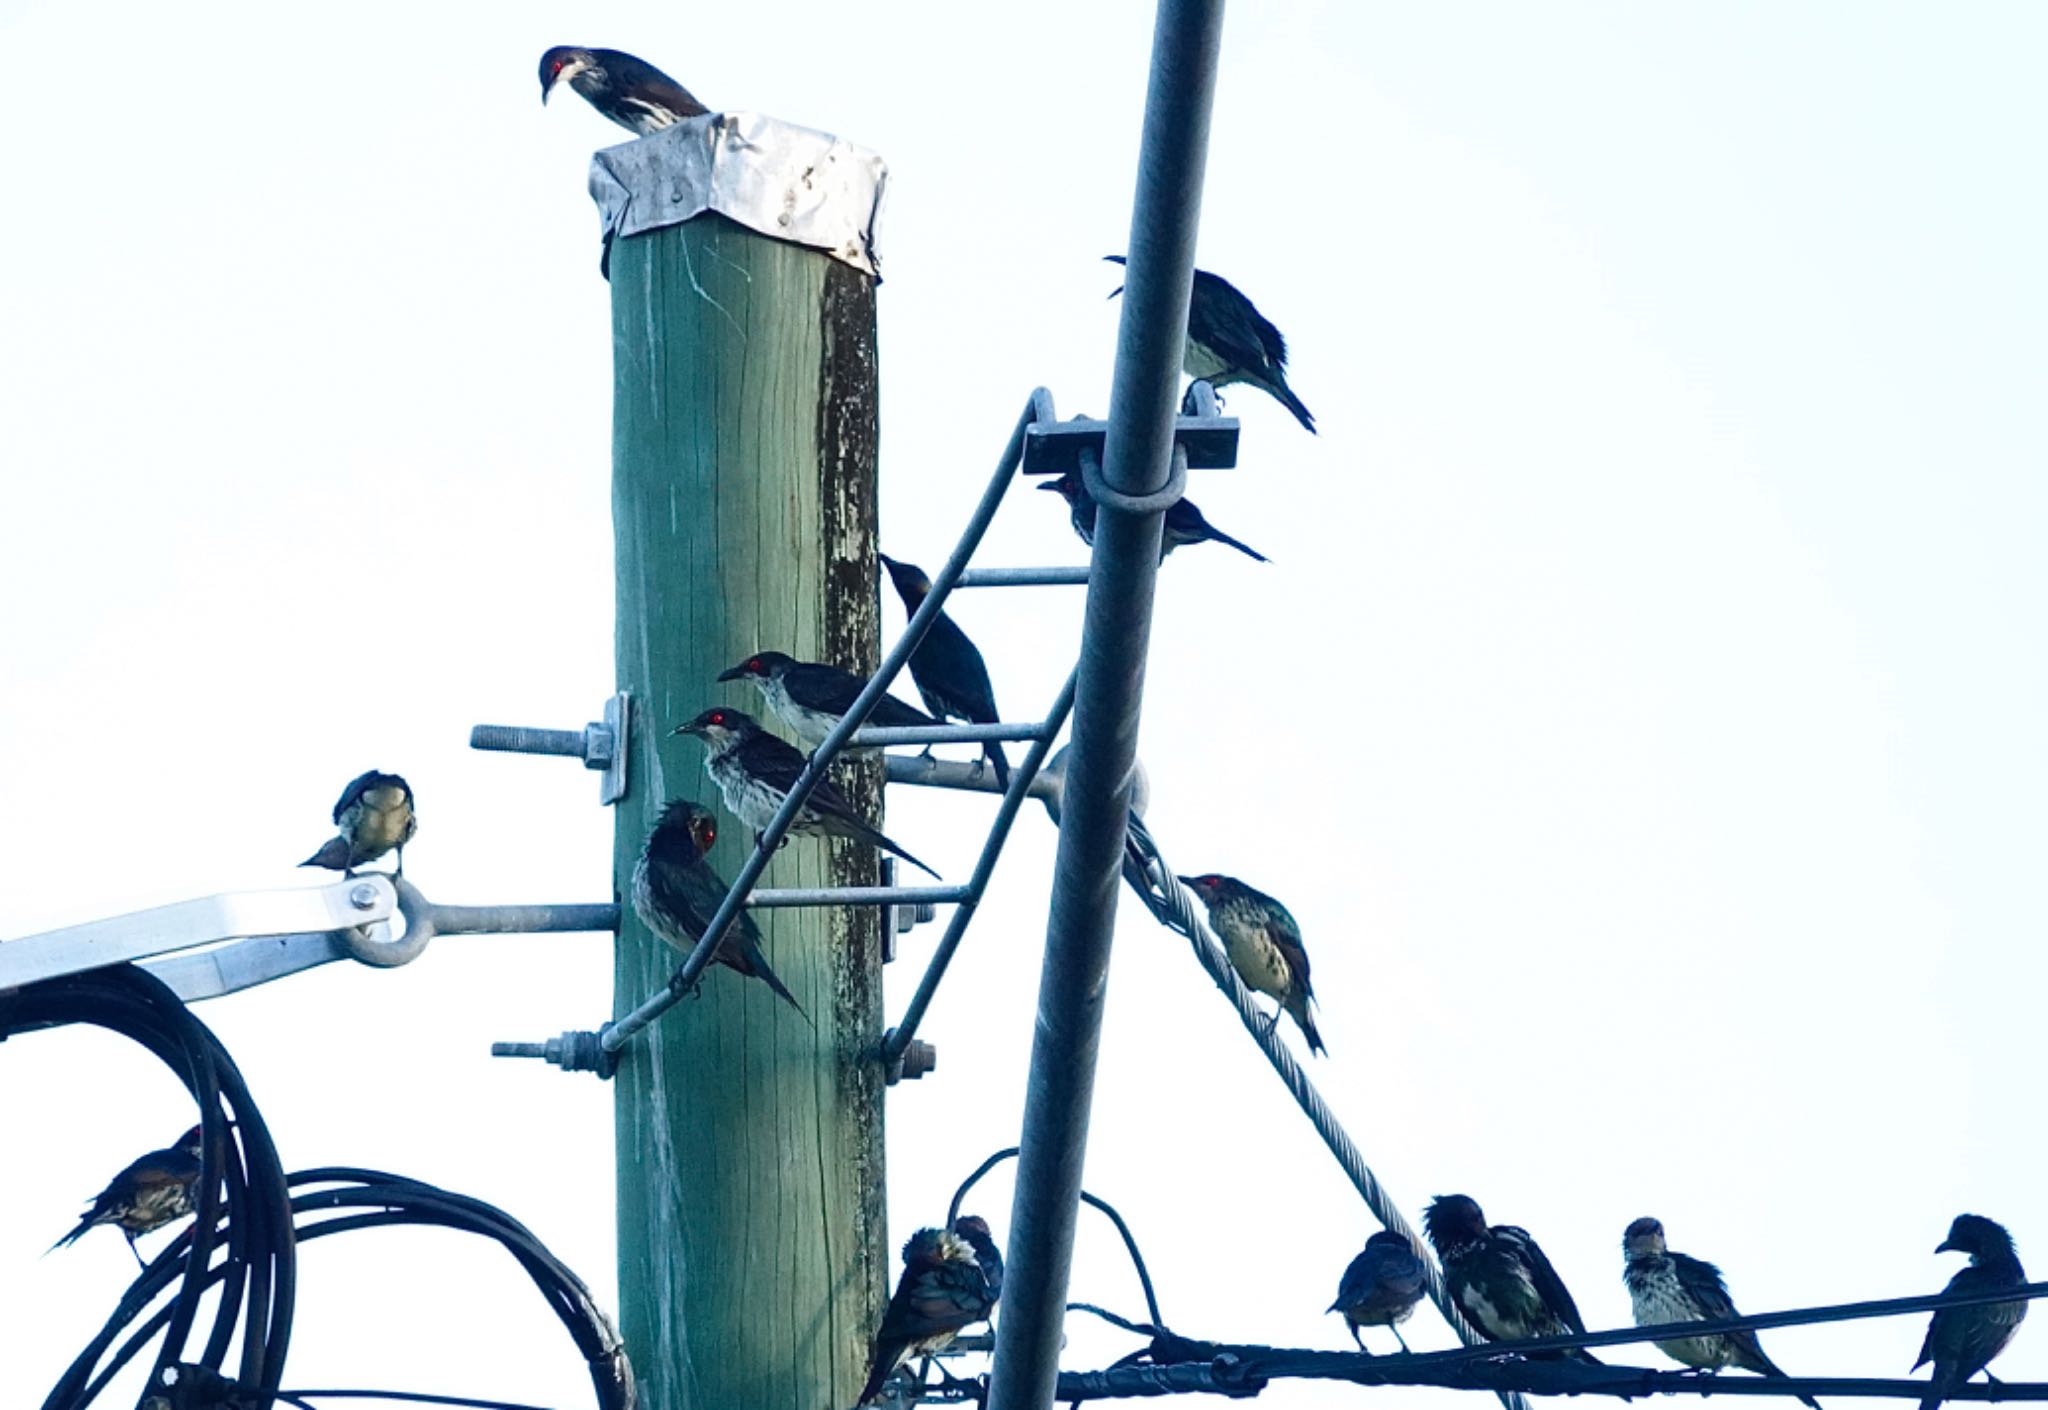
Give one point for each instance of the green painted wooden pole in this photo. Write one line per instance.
(751, 1267)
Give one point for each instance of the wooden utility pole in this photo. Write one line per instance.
(751, 1266)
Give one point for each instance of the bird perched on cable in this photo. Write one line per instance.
(631, 92)
(755, 771)
(375, 815)
(1961, 1341)
(1670, 1287)
(946, 668)
(1382, 1286)
(1231, 341)
(944, 1289)
(1264, 945)
(151, 1192)
(812, 697)
(1185, 523)
(1500, 1279)
(676, 892)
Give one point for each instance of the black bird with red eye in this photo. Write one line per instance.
(631, 92)
(812, 697)
(947, 668)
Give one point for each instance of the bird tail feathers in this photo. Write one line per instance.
(1284, 394)
(333, 855)
(1239, 544)
(997, 760)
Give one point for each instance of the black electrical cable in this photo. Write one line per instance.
(241, 1178)
(1123, 1229)
(301, 1397)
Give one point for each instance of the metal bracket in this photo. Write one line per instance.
(600, 744)
(1056, 447)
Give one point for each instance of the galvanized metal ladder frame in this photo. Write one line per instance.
(1039, 444)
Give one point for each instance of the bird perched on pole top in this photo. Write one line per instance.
(375, 815)
(1185, 523)
(152, 1191)
(631, 92)
(812, 697)
(1381, 1286)
(1670, 1287)
(676, 892)
(1264, 945)
(1961, 1341)
(1500, 1279)
(1231, 341)
(944, 1290)
(948, 671)
(755, 771)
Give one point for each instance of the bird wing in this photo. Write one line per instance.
(951, 675)
(936, 1298)
(692, 891)
(1287, 940)
(773, 762)
(833, 691)
(1704, 1286)
(639, 81)
(1224, 321)
(353, 794)
(1542, 1276)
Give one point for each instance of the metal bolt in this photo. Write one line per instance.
(362, 895)
(923, 913)
(919, 1058)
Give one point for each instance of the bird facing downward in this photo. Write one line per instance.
(1670, 1287)
(755, 771)
(374, 816)
(947, 668)
(1264, 945)
(1500, 1279)
(152, 1191)
(812, 697)
(1961, 1341)
(1231, 341)
(944, 1289)
(1381, 1286)
(676, 892)
(631, 92)
(1185, 523)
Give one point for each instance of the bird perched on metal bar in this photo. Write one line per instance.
(631, 92)
(375, 815)
(676, 892)
(755, 771)
(1670, 1287)
(812, 697)
(948, 671)
(1231, 341)
(1381, 1286)
(1961, 1341)
(151, 1192)
(1500, 1279)
(1185, 523)
(1264, 945)
(945, 1288)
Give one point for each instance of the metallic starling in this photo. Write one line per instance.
(1670, 1287)
(631, 92)
(1500, 1279)
(1382, 1286)
(676, 892)
(755, 771)
(1230, 341)
(949, 673)
(374, 816)
(1961, 1341)
(1264, 945)
(1184, 525)
(811, 697)
(943, 1290)
(148, 1194)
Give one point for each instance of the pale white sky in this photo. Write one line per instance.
(1642, 712)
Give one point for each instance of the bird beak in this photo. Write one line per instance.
(684, 729)
(736, 673)
(1049, 485)
(1947, 1246)
(1185, 880)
